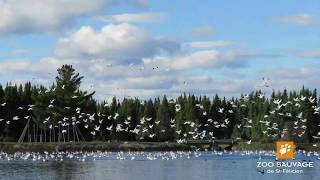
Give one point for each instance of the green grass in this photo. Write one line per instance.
(130, 146)
(241, 146)
(272, 146)
(91, 146)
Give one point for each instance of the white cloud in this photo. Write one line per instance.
(291, 78)
(202, 31)
(103, 69)
(287, 73)
(209, 44)
(115, 43)
(28, 16)
(7, 66)
(136, 3)
(130, 80)
(19, 51)
(141, 80)
(153, 86)
(209, 59)
(209, 86)
(312, 53)
(299, 19)
(40, 68)
(150, 82)
(134, 18)
(38, 16)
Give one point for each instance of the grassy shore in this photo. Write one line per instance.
(254, 146)
(131, 146)
(272, 146)
(92, 146)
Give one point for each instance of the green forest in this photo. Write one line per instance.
(64, 113)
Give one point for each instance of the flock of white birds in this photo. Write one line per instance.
(83, 156)
(93, 122)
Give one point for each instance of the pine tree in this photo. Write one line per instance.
(65, 105)
(2, 113)
(164, 130)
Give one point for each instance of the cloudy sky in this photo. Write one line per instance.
(148, 48)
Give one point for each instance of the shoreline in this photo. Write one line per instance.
(12, 147)
(91, 146)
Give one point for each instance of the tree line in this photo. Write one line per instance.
(63, 113)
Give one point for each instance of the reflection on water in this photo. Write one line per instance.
(205, 166)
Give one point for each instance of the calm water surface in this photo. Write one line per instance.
(201, 167)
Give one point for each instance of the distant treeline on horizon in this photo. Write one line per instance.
(63, 113)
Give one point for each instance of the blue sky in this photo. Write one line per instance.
(203, 47)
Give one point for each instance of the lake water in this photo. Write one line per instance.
(149, 166)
